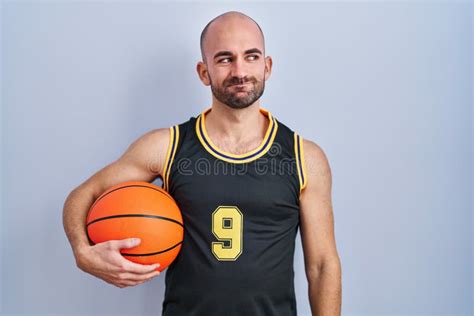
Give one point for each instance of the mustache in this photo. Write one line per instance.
(236, 81)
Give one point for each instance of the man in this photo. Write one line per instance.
(242, 204)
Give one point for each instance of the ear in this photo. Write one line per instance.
(203, 74)
(268, 67)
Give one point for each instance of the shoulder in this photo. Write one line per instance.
(161, 137)
(149, 149)
(157, 138)
(315, 157)
(317, 166)
(311, 161)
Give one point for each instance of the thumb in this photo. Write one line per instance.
(128, 243)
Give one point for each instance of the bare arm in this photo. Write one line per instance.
(322, 264)
(142, 161)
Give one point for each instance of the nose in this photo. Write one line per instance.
(237, 69)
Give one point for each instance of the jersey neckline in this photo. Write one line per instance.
(210, 147)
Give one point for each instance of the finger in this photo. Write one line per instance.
(138, 268)
(153, 275)
(125, 243)
(146, 277)
(132, 277)
(123, 283)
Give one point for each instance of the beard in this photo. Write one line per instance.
(238, 98)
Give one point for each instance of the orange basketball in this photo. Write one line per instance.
(142, 210)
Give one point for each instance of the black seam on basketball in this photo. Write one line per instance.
(129, 186)
(134, 215)
(151, 253)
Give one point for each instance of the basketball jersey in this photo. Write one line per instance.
(240, 215)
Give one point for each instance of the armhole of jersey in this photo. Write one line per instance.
(300, 162)
(172, 145)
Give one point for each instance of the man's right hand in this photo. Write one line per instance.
(105, 261)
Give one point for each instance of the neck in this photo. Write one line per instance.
(236, 125)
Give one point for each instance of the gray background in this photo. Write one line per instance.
(385, 88)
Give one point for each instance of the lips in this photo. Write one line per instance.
(239, 85)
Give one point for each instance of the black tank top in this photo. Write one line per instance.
(241, 216)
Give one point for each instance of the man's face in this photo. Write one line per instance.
(238, 92)
(235, 62)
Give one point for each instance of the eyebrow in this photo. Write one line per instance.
(227, 53)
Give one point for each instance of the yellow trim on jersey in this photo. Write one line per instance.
(173, 144)
(236, 158)
(165, 163)
(300, 161)
(303, 163)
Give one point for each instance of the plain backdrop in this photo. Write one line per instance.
(385, 88)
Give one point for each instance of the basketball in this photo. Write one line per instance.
(142, 210)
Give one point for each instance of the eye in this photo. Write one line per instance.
(220, 60)
(255, 57)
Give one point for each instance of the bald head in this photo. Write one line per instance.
(217, 27)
